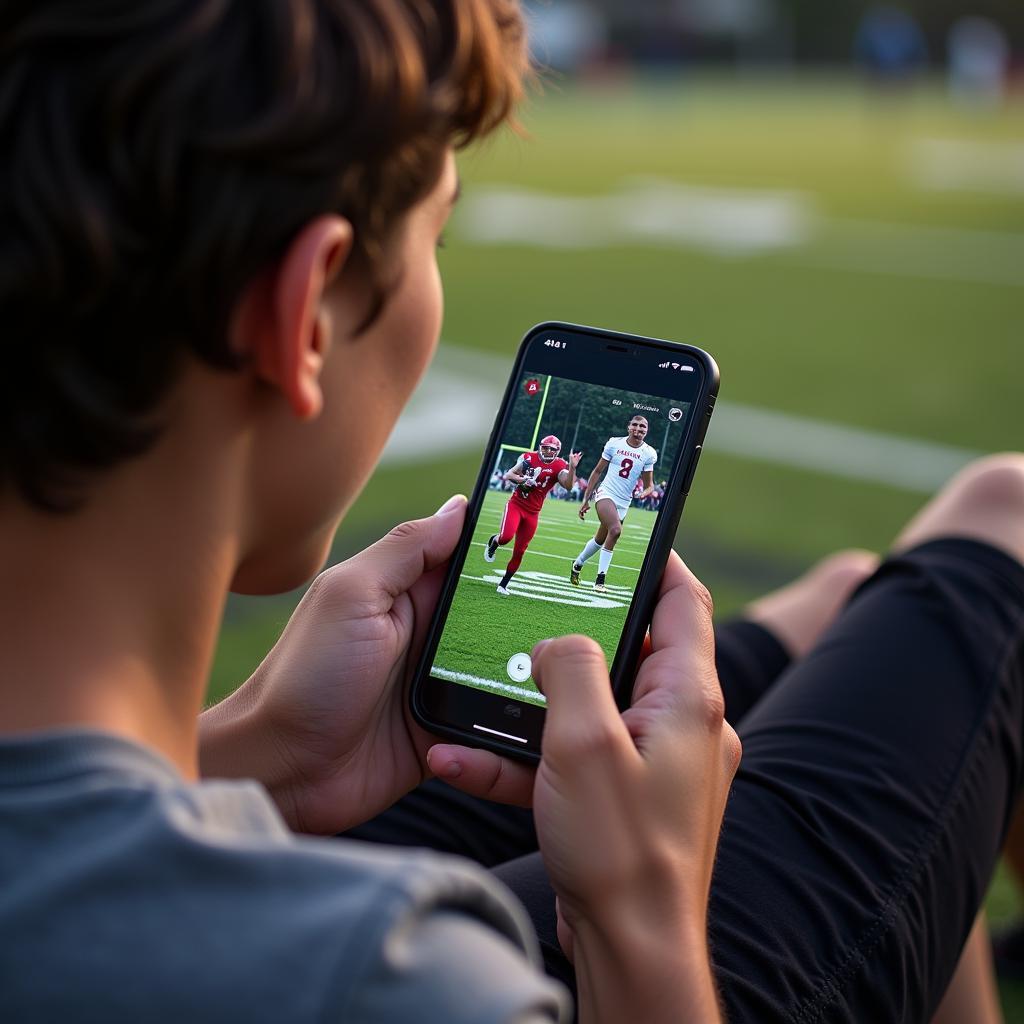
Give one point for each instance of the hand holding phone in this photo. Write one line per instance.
(613, 793)
(334, 756)
(639, 407)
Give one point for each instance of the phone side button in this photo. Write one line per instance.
(691, 469)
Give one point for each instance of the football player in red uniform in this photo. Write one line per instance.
(534, 475)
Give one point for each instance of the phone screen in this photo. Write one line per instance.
(536, 569)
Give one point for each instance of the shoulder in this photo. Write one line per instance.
(265, 924)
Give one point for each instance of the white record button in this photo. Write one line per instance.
(519, 667)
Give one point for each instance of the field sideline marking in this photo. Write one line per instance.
(967, 165)
(636, 547)
(529, 587)
(562, 558)
(465, 677)
(731, 222)
(456, 401)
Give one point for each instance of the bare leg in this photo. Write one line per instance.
(972, 994)
(1014, 850)
(798, 613)
(1008, 942)
(982, 502)
(610, 526)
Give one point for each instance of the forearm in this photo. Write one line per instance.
(592, 483)
(645, 972)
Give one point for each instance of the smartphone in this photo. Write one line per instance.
(591, 414)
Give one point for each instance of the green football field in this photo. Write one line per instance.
(485, 629)
(899, 310)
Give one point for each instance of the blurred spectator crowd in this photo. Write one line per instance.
(977, 43)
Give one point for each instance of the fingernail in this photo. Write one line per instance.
(451, 504)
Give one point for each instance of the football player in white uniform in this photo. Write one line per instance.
(623, 461)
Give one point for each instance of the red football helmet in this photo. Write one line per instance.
(553, 446)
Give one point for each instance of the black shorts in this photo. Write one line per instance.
(878, 778)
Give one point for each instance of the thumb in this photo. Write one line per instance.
(411, 549)
(482, 773)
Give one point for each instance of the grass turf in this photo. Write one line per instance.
(930, 356)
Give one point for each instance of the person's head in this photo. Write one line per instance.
(241, 196)
(550, 446)
(638, 428)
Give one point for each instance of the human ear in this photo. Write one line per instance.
(281, 321)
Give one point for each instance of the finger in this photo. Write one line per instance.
(684, 609)
(682, 641)
(563, 930)
(482, 773)
(401, 557)
(582, 720)
(424, 594)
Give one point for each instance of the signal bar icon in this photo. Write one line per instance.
(664, 366)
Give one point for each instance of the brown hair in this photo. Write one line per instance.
(159, 155)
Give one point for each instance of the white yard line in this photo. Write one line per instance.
(561, 558)
(967, 165)
(632, 544)
(642, 211)
(738, 222)
(553, 590)
(491, 684)
(454, 407)
(767, 435)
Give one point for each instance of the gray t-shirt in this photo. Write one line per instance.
(129, 894)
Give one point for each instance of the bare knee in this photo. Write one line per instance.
(614, 532)
(996, 481)
(799, 613)
(984, 501)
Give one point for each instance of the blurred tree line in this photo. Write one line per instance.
(583, 417)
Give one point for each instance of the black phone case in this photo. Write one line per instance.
(624, 665)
